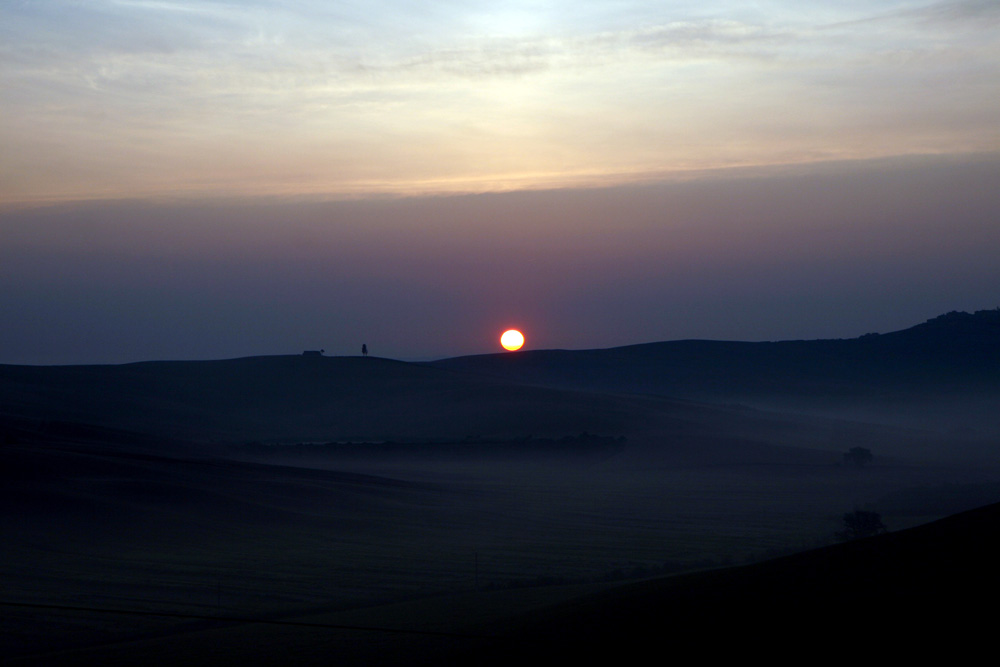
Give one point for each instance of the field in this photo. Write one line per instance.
(458, 539)
(279, 510)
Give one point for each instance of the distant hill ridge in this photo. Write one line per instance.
(537, 392)
(297, 398)
(952, 353)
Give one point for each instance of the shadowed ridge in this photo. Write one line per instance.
(198, 398)
(687, 366)
(924, 579)
(201, 366)
(947, 357)
(299, 398)
(970, 339)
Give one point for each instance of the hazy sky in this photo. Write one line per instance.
(198, 179)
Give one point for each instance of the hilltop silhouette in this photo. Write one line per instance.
(941, 360)
(944, 361)
(952, 351)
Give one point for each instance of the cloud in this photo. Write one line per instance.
(948, 15)
(145, 96)
(981, 14)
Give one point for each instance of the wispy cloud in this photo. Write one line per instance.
(623, 87)
(980, 14)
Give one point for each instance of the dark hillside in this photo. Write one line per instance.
(916, 590)
(295, 397)
(313, 400)
(952, 357)
(303, 399)
(954, 351)
(132, 542)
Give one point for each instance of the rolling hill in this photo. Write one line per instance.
(943, 372)
(162, 512)
(300, 398)
(297, 399)
(947, 369)
(922, 582)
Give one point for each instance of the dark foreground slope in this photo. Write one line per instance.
(924, 592)
(899, 594)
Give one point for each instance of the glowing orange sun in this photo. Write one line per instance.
(512, 339)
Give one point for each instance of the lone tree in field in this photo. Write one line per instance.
(858, 457)
(859, 523)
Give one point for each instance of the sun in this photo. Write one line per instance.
(512, 339)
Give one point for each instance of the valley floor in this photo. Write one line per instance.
(119, 554)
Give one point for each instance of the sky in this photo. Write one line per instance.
(218, 179)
